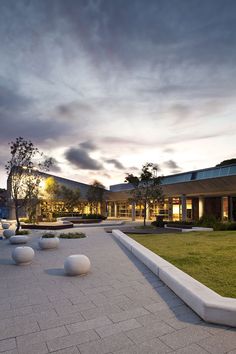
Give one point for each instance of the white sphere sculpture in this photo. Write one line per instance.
(18, 239)
(23, 255)
(77, 264)
(48, 243)
(8, 233)
(5, 226)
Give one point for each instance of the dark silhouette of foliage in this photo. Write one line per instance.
(227, 162)
(70, 198)
(147, 187)
(95, 196)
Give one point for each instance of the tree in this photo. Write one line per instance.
(95, 195)
(146, 186)
(23, 173)
(227, 162)
(51, 188)
(50, 193)
(70, 197)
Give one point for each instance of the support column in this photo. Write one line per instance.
(133, 212)
(184, 207)
(201, 206)
(115, 209)
(147, 213)
(225, 209)
(231, 215)
(170, 209)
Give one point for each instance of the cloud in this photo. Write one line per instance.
(88, 145)
(18, 118)
(168, 150)
(55, 165)
(116, 163)
(10, 98)
(133, 76)
(172, 165)
(75, 110)
(81, 159)
(180, 113)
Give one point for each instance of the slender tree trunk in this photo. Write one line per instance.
(17, 217)
(145, 214)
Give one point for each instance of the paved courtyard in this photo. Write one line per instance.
(119, 308)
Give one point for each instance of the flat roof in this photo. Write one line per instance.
(196, 175)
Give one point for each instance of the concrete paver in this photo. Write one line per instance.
(119, 307)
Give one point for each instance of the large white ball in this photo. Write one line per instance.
(17, 239)
(77, 264)
(23, 255)
(7, 233)
(5, 225)
(48, 243)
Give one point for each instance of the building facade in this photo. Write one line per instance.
(187, 196)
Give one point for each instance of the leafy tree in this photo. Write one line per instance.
(51, 194)
(147, 187)
(70, 197)
(23, 173)
(51, 188)
(227, 162)
(95, 196)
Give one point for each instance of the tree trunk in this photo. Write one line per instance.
(17, 218)
(145, 214)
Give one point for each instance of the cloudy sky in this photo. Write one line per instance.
(104, 86)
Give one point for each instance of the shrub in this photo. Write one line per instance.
(208, 221)
(229, 226)
(48, 235)
(25, 220)
(22, 232)
(72, 235)
(158, 223)
(65, 213)
(94, 216)
(186, 223)
(180, 224)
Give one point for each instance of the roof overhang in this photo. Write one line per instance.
(208, 187)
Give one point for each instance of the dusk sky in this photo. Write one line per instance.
(104, 86)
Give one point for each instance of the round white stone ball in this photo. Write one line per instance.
(18, 239)
(7, 233)
(48, 243)
(5, 226)
(77, 264)
(23, 255)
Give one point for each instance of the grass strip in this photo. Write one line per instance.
(209, 257)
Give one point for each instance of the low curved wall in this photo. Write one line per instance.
(209, 305)
(47, 227)
(76, 220)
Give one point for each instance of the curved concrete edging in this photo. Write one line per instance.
(209, 305)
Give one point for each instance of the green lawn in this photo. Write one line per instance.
(209, 257)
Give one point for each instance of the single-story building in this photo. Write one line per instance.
(187, 196)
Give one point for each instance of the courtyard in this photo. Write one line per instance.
(119, 307)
